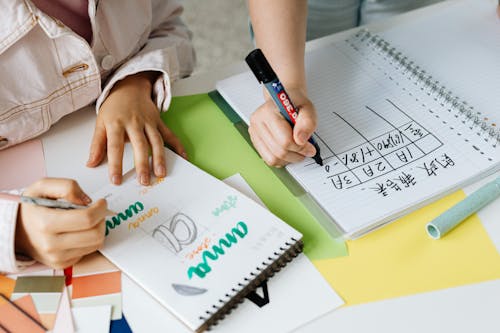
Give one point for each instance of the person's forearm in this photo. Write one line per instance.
(280, 31)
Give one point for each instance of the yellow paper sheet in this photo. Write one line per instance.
(400, 259)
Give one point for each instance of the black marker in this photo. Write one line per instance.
(265, 74)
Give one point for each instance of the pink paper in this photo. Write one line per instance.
(21, 165)
(64, 317)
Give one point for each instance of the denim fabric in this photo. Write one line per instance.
(326, 17)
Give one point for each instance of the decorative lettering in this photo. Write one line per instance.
(135, 224)
(132, 210)
(229, 203)
(203, 268)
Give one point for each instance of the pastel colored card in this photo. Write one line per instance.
(401, 259)
(96, 281)
(63, 322)
(96, 284)
(6, 287)
(20, 318)
(48, 320)
(95, 319)
(46, 303)
(29, 165)
(39, 284)
(93, 263)
(115, 300)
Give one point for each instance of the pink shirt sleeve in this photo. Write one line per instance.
(8, 218)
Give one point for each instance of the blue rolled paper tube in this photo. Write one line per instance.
(438, 227)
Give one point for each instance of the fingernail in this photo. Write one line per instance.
(115, 179)
(302, 137)
(184, 155)
(85, 198)
(310, 152)
(144, 179)
(160, 171)
(91, 159)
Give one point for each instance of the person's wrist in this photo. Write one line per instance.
(296, 87)
(142, 82)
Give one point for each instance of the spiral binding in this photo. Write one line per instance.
(267, 269)
(432, 87)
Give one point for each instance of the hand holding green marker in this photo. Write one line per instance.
(462, 210)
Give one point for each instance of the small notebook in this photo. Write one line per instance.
(393, 136)
(195, 244)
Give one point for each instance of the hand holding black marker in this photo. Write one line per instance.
(265, 74)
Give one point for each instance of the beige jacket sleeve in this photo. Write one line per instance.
(168, 50)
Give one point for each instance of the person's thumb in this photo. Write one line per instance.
(305, 125)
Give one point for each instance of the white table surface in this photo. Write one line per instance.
(146, 315)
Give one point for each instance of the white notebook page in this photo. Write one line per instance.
(388, 146)
(468, 34)
(167, 243)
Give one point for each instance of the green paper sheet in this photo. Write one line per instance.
(213, 144)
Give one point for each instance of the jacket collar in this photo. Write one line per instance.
(18, 17)
(16, 20)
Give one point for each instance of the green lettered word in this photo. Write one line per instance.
(229, 203)
(203, 268)
(132, 210)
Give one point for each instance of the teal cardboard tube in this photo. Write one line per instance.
(441, 225)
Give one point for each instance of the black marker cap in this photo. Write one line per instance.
(260, 67)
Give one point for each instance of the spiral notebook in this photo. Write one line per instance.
(392, 134)
(193, 243)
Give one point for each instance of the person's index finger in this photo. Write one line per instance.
(71, 220)
(97, 147)
(58, 188)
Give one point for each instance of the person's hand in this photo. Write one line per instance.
(273, 136)
(57, 237)
(129, 113)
